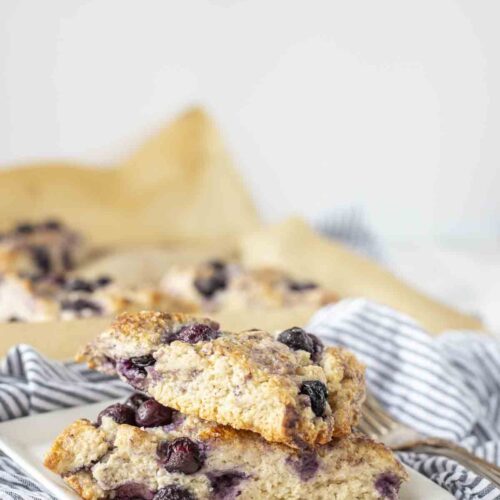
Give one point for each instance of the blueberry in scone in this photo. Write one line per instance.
(192, 459)
(289, 389)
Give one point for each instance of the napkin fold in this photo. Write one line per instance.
(447, 386)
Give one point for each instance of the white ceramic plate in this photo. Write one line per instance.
(27, 439)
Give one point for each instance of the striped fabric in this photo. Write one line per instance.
(447, 386)
(31, 384)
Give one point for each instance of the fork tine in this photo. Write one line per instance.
(373, 423)
(380, 413)
(367, 428)
(374, 420)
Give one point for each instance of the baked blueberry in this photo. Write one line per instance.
(80, 305)
(143, 361)
(317, 347)
(297, 339)
(174, 492)
(152, 414)
(208, 286)
(301, 286)
(135, 400)
(41, 257)
(25, 228)
(318, 394)
(79, 285)
(217, 265)
(52, 225)
(133, 491)
(59, 279)
(120, 413)
(197, 332)
(103, 281)
(134, 369)
(180, 455)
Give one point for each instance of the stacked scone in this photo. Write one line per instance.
(223, 415)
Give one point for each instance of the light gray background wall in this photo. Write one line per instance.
(393, 106)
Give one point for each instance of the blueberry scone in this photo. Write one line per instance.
(56, 297)
(217, 285)
(143, 450)
(289, 389)
(40, 249)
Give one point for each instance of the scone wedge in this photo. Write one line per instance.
(287, 388)
(190, 459)
(219, 285)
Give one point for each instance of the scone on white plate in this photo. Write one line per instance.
(58, 297)
(288, 388)
(143, 450)
(219, 285)
(40, 249)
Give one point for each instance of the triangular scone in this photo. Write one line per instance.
(190, 459)
(289, 389)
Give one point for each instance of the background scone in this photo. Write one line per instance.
(39, 249)
(146, 451)
(289, 389)
(56, 297)
(218, 285)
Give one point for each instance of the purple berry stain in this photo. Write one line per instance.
(387, 484)
(133, 491)
(305, 464)
(225, 483)
(199, 332)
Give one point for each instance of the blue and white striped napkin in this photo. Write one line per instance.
(447, 386)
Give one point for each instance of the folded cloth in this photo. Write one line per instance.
(30, 384)
(447, 386)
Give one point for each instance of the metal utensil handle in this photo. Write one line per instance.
(459, 454)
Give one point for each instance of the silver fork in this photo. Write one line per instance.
(379, 425)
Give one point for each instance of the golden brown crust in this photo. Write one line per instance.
(85, 486)
(80, 443)
(347, 401)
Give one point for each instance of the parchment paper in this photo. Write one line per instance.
(180, 186)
